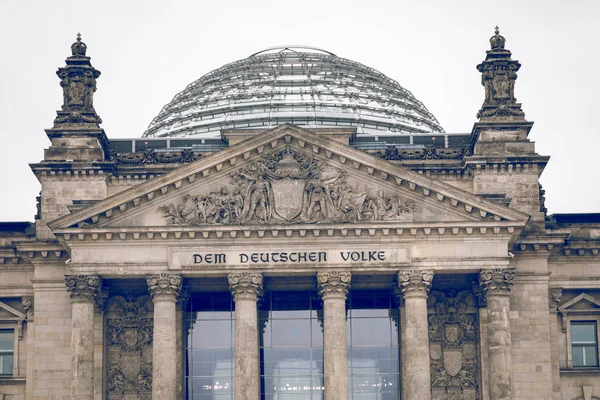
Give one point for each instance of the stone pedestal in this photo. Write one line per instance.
(246, 289)
(83, 291)
(415, 287)
(164, 290)
(333, 288)
(496, 284)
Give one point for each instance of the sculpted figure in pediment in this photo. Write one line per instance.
(287, 187)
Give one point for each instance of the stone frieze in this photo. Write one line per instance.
(288, 188)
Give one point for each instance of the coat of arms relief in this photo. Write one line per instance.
(288, 188)
(453, 346)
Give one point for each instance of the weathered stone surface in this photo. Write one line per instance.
(164, 289)
(497, 284)
(415, 285)
(246, 289)
(333, 287)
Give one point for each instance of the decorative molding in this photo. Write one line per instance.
(497, 281)
(554, 295)
(245, 285)
(83, 288)
(415, 283)
(164, 286)
(429, 152)
(151, 156)
(333, 284)
(27, 303)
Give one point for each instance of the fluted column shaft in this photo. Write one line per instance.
(496, 284)
(83, 291)
(415, 285)
(246, 289)
(333, 287)
(164, 289)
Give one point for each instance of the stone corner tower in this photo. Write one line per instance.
(78, 144)
(504, 160)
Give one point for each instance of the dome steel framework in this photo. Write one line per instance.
(300, 85)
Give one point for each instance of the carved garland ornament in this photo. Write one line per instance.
(453, 345)
(497, 281)
(129, 336)
(333, 284)
(164, 286)
(245, 285)
(415, 282)
(83, 287)
(286, 188)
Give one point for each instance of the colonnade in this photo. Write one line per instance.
(333, 286)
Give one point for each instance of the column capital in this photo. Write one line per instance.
(333, 284)
(496, 281)
(164, 286)
(83, 288)
(415, 283)
(245, 285)
(554, 295)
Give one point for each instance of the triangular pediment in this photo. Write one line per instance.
(290, 176)
(581, 303)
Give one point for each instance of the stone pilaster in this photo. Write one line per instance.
(246, 289)
(496, 284)
(554, 296)
(333, 287)
(415, 285)
(27, 303)
(83, 291)
(164, 289)
(180, 308)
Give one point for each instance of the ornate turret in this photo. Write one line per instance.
(78, 80)
(498, 76)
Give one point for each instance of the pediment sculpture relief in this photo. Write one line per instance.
(288, 187)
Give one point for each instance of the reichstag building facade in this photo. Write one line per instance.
(298, 226)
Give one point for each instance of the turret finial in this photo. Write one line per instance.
(78, 48)
(497, 41)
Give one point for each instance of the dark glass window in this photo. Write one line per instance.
(7, 349)
(291, 346)
(209, 347)
(584, 343)
(373, 351)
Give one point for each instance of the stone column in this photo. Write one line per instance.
(415, 285)
(554, 296)
(496, 284)
(83, 291)
(333, 287)
(164, 289)
(246, 289)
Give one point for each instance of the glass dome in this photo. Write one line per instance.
(302, 85)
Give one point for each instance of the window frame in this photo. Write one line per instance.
(588, 310)
(572, 345)
(15, 348)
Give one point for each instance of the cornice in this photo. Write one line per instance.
(346, 157)
(472, 229)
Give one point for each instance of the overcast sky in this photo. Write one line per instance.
(150, 50)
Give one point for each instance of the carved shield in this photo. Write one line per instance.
(453, 361)
(287, 195)
(451, 332)
(130, 337)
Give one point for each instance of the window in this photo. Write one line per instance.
(7, 343)
(584, 343)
